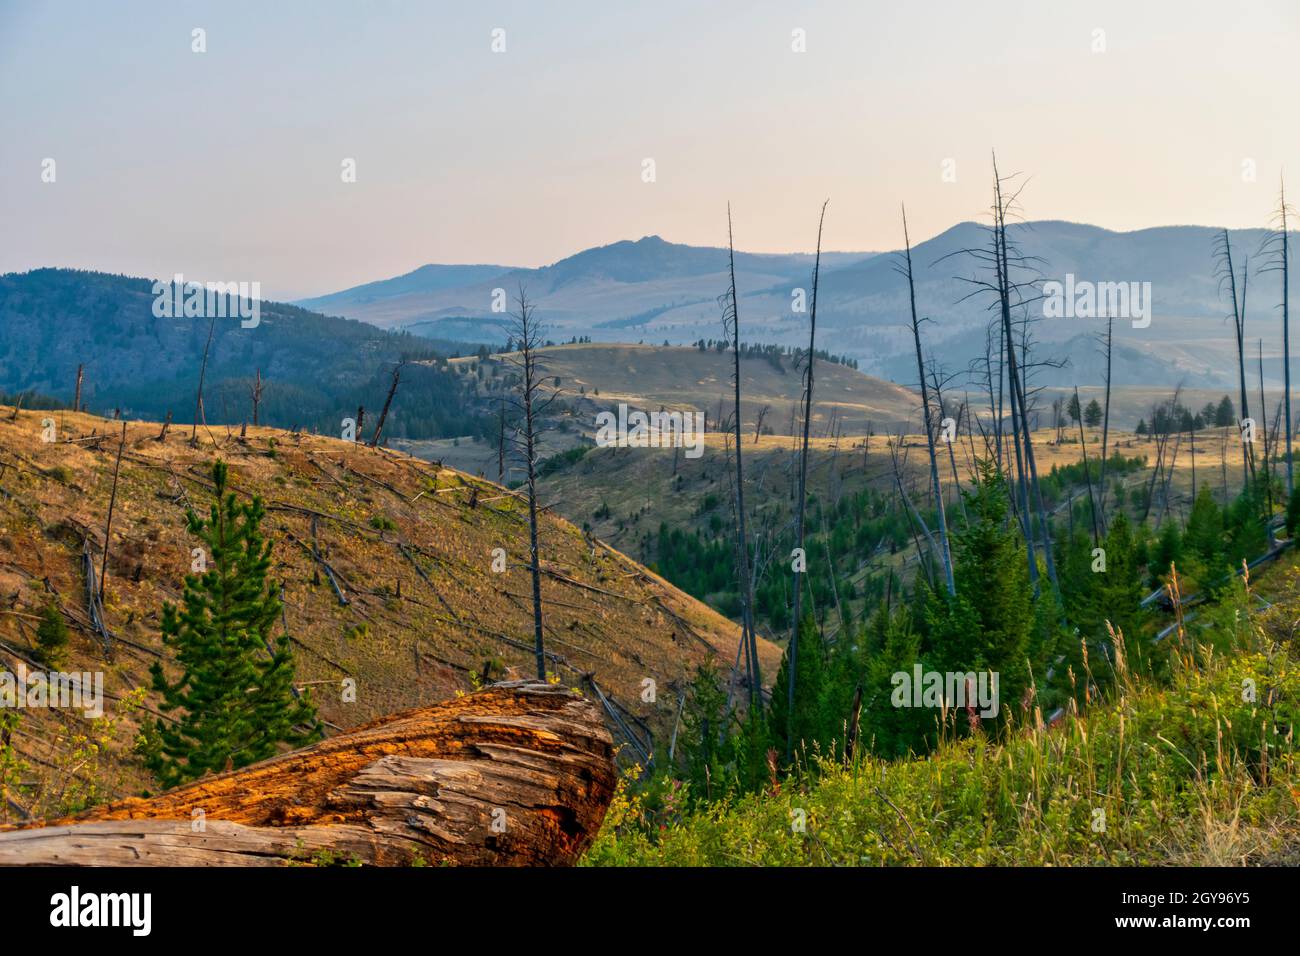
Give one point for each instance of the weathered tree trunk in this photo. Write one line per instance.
(748, 637)
(519, 774)
(255, 392)
(1238, 321)
(1286, 344)
(199, 414)
(1105, 432)
(792, 651)
(928, 423)
(388, 402)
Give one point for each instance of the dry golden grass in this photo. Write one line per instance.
(406, 637)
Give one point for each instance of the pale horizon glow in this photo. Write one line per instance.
(225, 165)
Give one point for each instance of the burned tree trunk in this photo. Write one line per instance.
(255, 392)
(1105, 431)
(792, 650)
(520, 774)
(928, 423)
(199, 414)
(749, 642)
(1226, 272)
(529, 334)
(388, 402)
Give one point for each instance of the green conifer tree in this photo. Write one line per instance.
(1204, 534)
(990, 625)
(235, 690)
(52, 637)
(1092, 414)
(810, 723)
(893, 731)
(1293, 513)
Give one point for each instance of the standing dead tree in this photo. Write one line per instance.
(730, 303)
(388, 403)
(1277, 247)
(255, 393)
(1087, 473)
(501, 441)
(1010, 291)
(801, 505)
(199, 414)
(1227, 274)
(1108, 349)
(527, 333)
(928, 421)
(1269, 449)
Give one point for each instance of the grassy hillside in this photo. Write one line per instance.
(596, 377)
(409, 543)
(627, 496)
(1190, 771)
(649, 376)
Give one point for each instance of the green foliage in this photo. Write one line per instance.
(1293, 513)
(990, 622)
(721, 751)
(52, 637)
(1063, 477)
(1225, 415)
(811, 722)
(12, 766)
(1092, 414)
(1160, 767)
(235, 690)
(1168, 551)
(702, 561)
(563, 460)
(1204, 537)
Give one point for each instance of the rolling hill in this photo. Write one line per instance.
(612, 292)
(418, 615)
(597, 377)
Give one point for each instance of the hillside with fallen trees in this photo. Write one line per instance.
(389, 592)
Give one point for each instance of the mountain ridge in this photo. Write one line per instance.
(652, 290)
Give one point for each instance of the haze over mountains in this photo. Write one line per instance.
(654, 291)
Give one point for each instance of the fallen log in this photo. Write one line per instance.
(519, 774)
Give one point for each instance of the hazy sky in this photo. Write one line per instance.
(226, 164)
